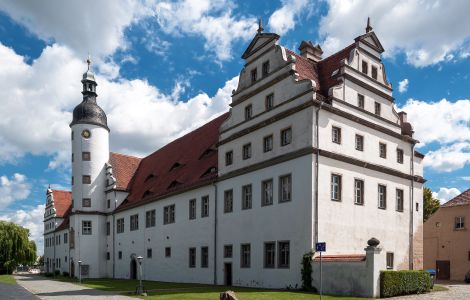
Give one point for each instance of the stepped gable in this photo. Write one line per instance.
(187, 162)
(124, 167)
(462, 199)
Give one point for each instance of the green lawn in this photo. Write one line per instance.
(168, 290)
(8, 279)
(439, 288)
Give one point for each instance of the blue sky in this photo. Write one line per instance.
(165, 67)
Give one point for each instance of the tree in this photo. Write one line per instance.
(15, 247)
(431, 205)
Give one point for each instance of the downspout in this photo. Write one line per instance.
(114, 240)
(317, 154)
(55, 263)
(215, 233)
(410, 255)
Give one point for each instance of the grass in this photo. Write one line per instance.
(188, 291)
(8, 279)
(439, 288)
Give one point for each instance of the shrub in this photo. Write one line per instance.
(66, 274)
(57, 272)
(306, 271)
(48, 274)
(395, 283)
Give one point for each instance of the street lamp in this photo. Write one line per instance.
(141, 287)
(80, 271)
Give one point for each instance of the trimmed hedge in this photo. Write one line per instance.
(395, 283)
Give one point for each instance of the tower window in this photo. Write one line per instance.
(269, 101)
(374, 72)
(228, 158)
(86, 227)
(254, 75)
(268, 143)
(86, 202)
(265, 68)
(247, 151)
(248, 112)
(86, 133)
(365, 67)
(286, 136)
(383, 150)
(360, 100)
(377, 108)
(86, 156)
(86, 179)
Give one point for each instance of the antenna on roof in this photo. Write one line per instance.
(368, 28)
(260, 25)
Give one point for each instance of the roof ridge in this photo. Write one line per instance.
(64, 191)
(337, 53)
(127, 155)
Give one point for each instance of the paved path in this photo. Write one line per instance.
(457, 291)
(14, 291)
(51, 289)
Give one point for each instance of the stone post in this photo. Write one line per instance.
(374, 263)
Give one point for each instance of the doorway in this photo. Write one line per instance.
(443, 269)
(228, 274)
(72, 269)
(133, 269)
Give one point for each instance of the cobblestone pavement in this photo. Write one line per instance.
(457, 291)
(14, 291)
(50, 289)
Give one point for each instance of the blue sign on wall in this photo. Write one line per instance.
(320, 247)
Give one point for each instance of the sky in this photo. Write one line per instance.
(166, 67)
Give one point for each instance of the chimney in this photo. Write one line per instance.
(311, 52)
(403, 119)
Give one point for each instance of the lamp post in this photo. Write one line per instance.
(141, 287)
(80, 271)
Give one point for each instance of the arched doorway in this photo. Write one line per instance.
(133, 272)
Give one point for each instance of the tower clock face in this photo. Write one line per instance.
(86, 133)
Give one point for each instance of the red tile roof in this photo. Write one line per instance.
(462, 199)
(327, 66)
(65, 224)
(188, 161)
(341, 258)
(124, 167)
(62, 202)
(305, 67)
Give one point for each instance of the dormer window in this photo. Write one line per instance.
(266, 68)
(254, 75)
(248, 112)
(147, 193)
(149, 177)
(175, 165)
(365, 67)
(374, 72)
(174, 184)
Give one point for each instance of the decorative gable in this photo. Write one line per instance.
(370, 39)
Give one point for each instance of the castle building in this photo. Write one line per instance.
(310, 150)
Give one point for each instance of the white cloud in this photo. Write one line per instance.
(445, 194)
(37, 101)
(31, 219)
(15, 188)
(409, 27)
(283, 19)
(466, 178)
(448, 158)
(403, 85)
(213, 20)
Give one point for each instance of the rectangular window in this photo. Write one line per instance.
(108, 203)
(254, 75)
(86, 156)
(265, 68)
(389, 260)
(86, 227)
(284, 254)
(247, 151)
(66, 238)
(72, 180)
(335, 187)
(286, 136)
(359, 191)
(377, 108)
(285, 188)
(267, 192)
(245, 255)
(374, 72)
(204, 206)
(365, 67)
(360, 101)
(72, 157)
(108, 228)
(169, 214)
(459, 222)
(192, 257)
(228, 201)
(204, 257)
(399, 156)
(86, 202)
(228, 250)
(248, 112)
(269, 254)
(268, 143)
(120, 225)
(192, 209)
(269, 103)
(108, 256)
(417, 206)
(134, 222)
(246, 196)
(228, 158)
(167, 251)
(359, 142)
(150, 216)
(120, 255)
(382, 196)
(336, 135)
(399, 195)
(149, 252)
(86, 179)
(383, 150)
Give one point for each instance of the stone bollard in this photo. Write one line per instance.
(228, 295)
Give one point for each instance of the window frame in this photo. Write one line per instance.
(336, 134)
(192, 257)
(379, 193)
(86, 179)
(271, 256)
(399, 198)
(377, 108)
(192, 209)
(86, 156)
(361, 144)
(228, 251)
(374, 72)
(87, 229)
(120, 225)
(459, 223)
(365, 67)
(283, 264)
(254, 75)
(247, 196)
(167, 251)
(337, 184)
(134, 222)
(86, 201)
(286, 136)
(265, 68)
(169, 214)
(150, 218)
(361, 101)
(281, 188)
(382, 150)
(204, 257)
(390, 257)
(246, 151)
(229, 157)
(248, 112)
(149, 252)
(205, 206)
(228, 205)
(245, 261)
(400, 156)
(269, 101)
(361, 190)
(266, 143)
(265, 195)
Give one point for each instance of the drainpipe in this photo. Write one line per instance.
(410, 256)
(215, 233)
(317, 154)
(114, 240)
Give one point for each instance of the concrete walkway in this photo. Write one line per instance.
(45, 288)
(457, 291)
(14, 291)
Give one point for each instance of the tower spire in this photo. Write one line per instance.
(88, 61)
(260, 25)
(368, 28)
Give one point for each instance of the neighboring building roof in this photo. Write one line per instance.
(341, 258)
(186, 162)
(327, 66)
(462, 199)
(65, 224)
(306, 68)
(62, 202)
(124, 167)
